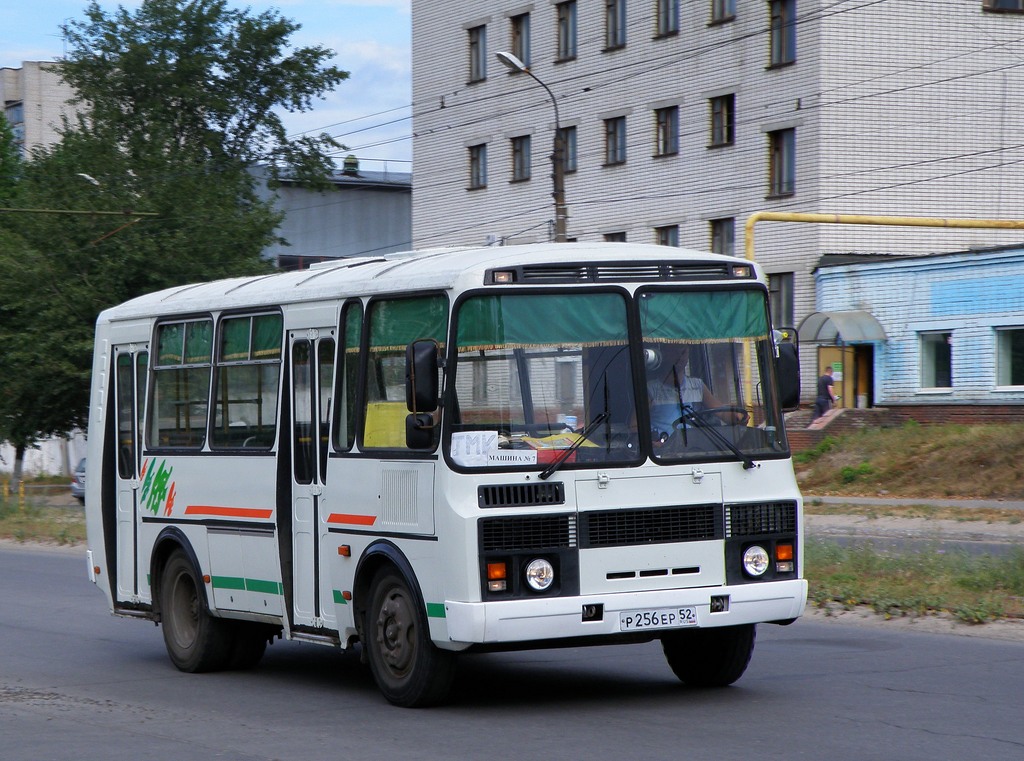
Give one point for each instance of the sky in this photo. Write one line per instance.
(370, 112)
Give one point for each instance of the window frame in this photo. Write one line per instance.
(477, 166)
(993, 6)
(781, 32)
(519, 36)
(666, 131)
(1004, 364)
(569, 163)
(615, 141)
(614, 24)
(722, 110)
(477, 53)
(198, 435)
(666, 18)
(566, 30)
(667, 235)
(782, 162)
(723, 235)
(780, 299)
(522, 149)
(927, 357)
(722, 11)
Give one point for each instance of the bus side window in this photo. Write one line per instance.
(393, 325)
(347, 380)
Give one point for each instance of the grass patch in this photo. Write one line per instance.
(41, 523)
(936, 461)
(974, 589)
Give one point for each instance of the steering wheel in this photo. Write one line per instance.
(709, 415)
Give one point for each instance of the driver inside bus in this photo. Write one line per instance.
(670, 388)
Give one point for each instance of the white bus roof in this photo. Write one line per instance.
(424, 270)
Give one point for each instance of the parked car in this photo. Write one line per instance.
(78, 482)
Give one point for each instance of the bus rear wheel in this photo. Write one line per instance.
(709, 657)
(409, 670)
(195, 640)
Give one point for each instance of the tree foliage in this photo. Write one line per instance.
(202, 79)
(149, 188)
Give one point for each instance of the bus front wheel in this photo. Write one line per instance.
(709, 657)
(196, 641)
(409, 670)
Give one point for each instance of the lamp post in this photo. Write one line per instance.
(557, 154)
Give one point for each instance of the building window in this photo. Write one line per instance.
(780, 299)
(936, 360)
(614, 24)
(568, 135)
(521, 158)
(667, 236)
(615, 140)
(566, 30)
(783, 32)
(477, 53)
(1003, 6)
(667, 18)
(1010, 357)
(619, 237)
(782, 162)
(722, 10)
(723, 119)
(723, 236)
(521, 37)
(478, 166)
(666, 122)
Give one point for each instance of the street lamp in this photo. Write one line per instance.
(557, 154)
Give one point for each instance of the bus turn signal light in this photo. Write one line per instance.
(784, 552)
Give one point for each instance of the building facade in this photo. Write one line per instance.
(944, 330)
(35, 102)
(681, 119)
(365, 213)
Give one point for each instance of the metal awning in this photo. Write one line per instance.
(841, 327)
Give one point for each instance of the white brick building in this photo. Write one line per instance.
(893, 107)
(35, 100)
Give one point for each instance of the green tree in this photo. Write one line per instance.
(10, 164)
(149, 187)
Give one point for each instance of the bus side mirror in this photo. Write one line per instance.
(421, 393)
(421, 390)
(787, 370)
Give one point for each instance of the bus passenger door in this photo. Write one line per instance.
(130, 364)
(311, 374)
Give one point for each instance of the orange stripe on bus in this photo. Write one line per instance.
(229, 512)
(355, 520)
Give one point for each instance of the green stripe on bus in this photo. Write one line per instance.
(228, 582)
(435, 610)
(242, 584)
(267, 587)
(338, 598)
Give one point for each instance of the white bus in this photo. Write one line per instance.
(450, 451)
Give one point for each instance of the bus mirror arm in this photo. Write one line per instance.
(419, 430)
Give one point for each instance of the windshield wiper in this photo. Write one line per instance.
(565, 454)
(713, 433)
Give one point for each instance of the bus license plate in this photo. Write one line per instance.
(656, 618)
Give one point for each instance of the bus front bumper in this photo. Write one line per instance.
(568, 617)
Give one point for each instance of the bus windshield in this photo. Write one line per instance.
(534, 371)
(708, 363)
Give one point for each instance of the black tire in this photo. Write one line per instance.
(709, 657)
(195, 640)
(409, 670)
(249, 643)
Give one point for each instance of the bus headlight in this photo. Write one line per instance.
(755, 560)
(540, 574)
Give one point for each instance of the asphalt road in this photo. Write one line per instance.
(76, 682)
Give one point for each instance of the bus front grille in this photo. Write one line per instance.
(521, 495)
(528, 532)
(760, 518)
(623, 528)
